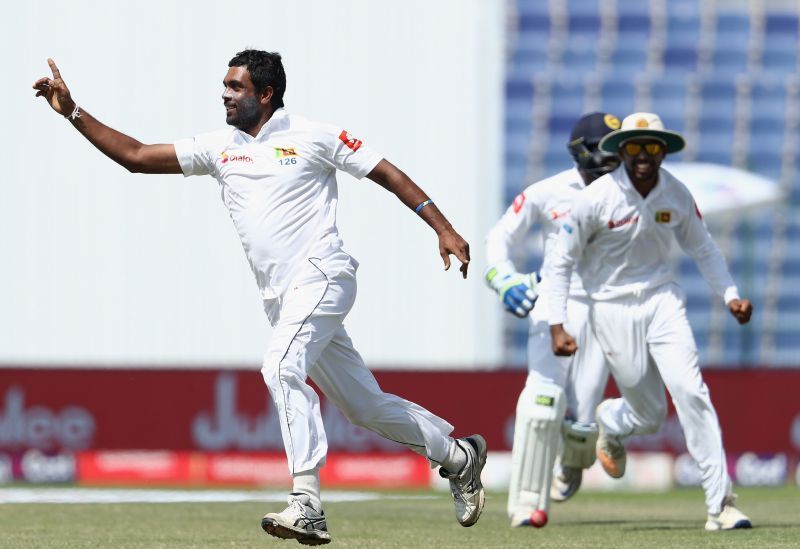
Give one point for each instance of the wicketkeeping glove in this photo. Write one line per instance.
(518, 292)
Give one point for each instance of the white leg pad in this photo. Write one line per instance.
(540, 411)
(580, 440)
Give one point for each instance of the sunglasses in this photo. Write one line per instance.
(652, 149)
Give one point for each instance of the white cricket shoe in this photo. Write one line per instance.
(299, 521)
(466, 485)
(610, 450)
(730, 518)
(566, 483)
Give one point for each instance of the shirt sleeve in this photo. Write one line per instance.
(194, 156)
(562, 258)
(517, 220)
(695, 240)
(344, 151)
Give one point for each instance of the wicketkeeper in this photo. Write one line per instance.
(555, 412)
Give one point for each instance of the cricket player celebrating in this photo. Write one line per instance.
(554, 384)
(619, 235)
(277, 175)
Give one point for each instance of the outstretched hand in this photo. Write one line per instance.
(55, 91)
(450, 242)
(741, 309)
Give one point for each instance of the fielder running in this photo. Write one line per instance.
(277, 175)
(619, 235)
(555, 385)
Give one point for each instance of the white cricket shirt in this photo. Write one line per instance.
(546, 202)
(621, 241)
(280, 189)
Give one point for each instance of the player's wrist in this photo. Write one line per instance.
(69, 108)
(498, 274)
(74, 114)
(441, 227)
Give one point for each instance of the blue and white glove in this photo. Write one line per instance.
(518, 292)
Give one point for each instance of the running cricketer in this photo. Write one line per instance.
(277, 175)
(557, 405)
(619, 235)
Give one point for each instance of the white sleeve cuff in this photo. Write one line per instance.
(184, 150)
(731, 293)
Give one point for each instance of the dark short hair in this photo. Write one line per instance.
(265, 69)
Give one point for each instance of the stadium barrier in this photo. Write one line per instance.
(210, 427)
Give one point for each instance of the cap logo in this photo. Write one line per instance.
(642, 123)
(611, 121)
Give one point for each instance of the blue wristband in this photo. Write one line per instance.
(422, 205)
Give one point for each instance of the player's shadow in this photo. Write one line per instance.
(690, 525)
(635, 526)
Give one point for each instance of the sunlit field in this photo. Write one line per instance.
(405, 519)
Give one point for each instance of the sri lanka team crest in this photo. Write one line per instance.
(281, 152)
(663, 216)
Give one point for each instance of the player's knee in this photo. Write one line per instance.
(360, 416)
(579, 441)
(269, 370)
(651, 421)
(693, 399)
(276, 371)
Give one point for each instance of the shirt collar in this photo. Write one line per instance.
(625, 183)
(576, 181)
(274, 122)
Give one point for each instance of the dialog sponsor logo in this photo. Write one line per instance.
(754, 470)
(39, 427)
(38, 467)
(225, 158)
(614, 223)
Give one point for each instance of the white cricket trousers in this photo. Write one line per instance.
(309, 340)
(582, 376)
(649, 344)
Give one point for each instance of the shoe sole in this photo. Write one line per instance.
(609, 465)
(560, 497)
(283, 531)
(739, 525)
(479, 444)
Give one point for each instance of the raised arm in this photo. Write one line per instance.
(122, 149)
(392, 179)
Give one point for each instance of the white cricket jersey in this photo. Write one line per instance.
(546, 202)
(280, 189)
(621, 241)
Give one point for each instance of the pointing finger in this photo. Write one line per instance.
(54, 68)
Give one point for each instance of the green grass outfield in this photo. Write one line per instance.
(417, 519)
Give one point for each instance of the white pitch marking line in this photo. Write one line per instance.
(103, 495)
